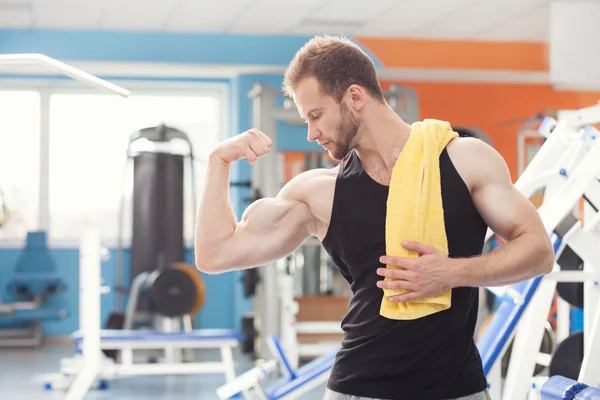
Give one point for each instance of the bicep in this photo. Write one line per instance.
(269, 229)
(505, 210)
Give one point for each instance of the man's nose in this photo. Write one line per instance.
(313, 133)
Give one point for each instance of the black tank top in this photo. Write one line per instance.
(431, 358)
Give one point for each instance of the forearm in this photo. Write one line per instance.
(522, 258)
(215, 220)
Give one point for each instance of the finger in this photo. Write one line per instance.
(408, 263)
(418, 247)
(397, 285)
(267, 140)
(402, 298)
(402, 274)
(262, 137)
(250, 155)
(259, 147)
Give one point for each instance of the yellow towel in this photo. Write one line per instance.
(414, 211)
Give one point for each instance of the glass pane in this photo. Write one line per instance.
(88, 142)
(19, 161)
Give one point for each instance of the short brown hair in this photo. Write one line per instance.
(336, 63)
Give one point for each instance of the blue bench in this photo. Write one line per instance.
(143, 336)
(560, 388)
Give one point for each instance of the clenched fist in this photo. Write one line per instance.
(250, 145)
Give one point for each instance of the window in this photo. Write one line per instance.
(88, 141)
(19, 161)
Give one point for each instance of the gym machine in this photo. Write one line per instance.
(561, 388)
(164, 291)
(34, 282)
(35, 279)
(91, 368)
(566, 169)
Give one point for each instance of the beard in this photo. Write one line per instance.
(347, 131)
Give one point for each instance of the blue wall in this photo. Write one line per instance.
(217, 312)
(225, 303)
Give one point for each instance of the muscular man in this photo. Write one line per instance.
(335, 87)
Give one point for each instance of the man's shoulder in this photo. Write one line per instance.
(315, 188)
(475, 160)
(304, 185)
(307, 182)
(316, 174)
(461, 144)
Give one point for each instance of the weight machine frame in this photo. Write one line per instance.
(576, 174)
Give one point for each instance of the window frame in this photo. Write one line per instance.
(48, 87)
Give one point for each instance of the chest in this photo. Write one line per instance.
(356, 236)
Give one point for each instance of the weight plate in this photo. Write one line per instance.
(565, 225)
(198, 282)
(569, 260)
(172, 293)
(571, 292)
(250, 279)
(250, 334)
(115, 321)
(568, 357)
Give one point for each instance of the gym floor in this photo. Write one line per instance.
(22, 374)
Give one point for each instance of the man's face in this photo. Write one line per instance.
(331, 124)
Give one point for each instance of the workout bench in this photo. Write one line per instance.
(126, 341)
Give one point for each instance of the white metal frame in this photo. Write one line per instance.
(563, 149)
(579, 156)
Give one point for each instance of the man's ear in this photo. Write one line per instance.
(356, 96)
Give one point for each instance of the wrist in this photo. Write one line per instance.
(216, 158)
(463, 272)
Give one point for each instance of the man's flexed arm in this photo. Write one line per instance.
(269, 229)
(528, 251)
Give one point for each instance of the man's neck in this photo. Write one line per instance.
(381, 139)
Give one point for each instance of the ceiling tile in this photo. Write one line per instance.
(462, 23)
(435, 19)
(67, 13)
(290, 5)
(136, 14)
(411, 15)
(342, 10)
(531, 25)
(203, 17)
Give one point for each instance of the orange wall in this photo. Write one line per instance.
(485, 106)
(458, 54)
(489, 106)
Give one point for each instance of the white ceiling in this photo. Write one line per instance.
(444, 19)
